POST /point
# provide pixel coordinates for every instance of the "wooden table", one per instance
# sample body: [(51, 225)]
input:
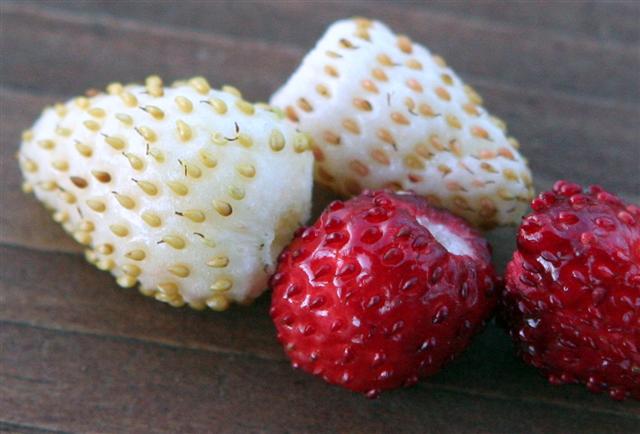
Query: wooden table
[(78, 354)]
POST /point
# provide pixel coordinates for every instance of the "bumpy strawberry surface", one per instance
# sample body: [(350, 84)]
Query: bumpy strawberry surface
[(186, 190), (572, 297), (382, 290), (384, 112)]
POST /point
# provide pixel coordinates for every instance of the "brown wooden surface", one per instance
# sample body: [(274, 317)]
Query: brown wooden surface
[(78, 354)]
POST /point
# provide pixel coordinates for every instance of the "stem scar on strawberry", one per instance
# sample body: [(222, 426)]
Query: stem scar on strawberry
[(572, 296), (381, 291)]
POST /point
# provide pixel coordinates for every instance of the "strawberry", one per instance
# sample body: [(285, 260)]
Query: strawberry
[(572, 297), (382, 290), (384, 112), (184, 189)]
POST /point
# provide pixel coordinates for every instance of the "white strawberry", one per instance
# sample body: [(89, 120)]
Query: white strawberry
[(191, 192), (384, 112)]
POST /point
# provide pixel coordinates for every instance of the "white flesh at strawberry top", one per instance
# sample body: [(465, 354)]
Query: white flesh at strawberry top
[(384, 112), (191, 192), (449, 239)]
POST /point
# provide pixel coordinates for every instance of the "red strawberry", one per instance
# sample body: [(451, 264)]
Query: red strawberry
[(572, 297), (383, 289)]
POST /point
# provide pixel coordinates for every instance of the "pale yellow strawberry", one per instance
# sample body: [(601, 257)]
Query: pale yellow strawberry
[(384, 112), (190, 192)]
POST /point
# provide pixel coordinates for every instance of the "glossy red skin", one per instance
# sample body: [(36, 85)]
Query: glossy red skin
[(367, 299), (572, 296)]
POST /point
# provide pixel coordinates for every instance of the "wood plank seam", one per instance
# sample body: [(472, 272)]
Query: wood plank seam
[(25, 379), (7, 425), (136, 340)]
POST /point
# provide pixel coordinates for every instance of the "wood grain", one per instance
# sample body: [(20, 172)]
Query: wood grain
[(158, 388), (475, 48), (612, 21), (609, 21)]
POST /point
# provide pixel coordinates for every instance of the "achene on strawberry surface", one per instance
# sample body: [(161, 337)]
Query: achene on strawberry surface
[(382, 290)]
